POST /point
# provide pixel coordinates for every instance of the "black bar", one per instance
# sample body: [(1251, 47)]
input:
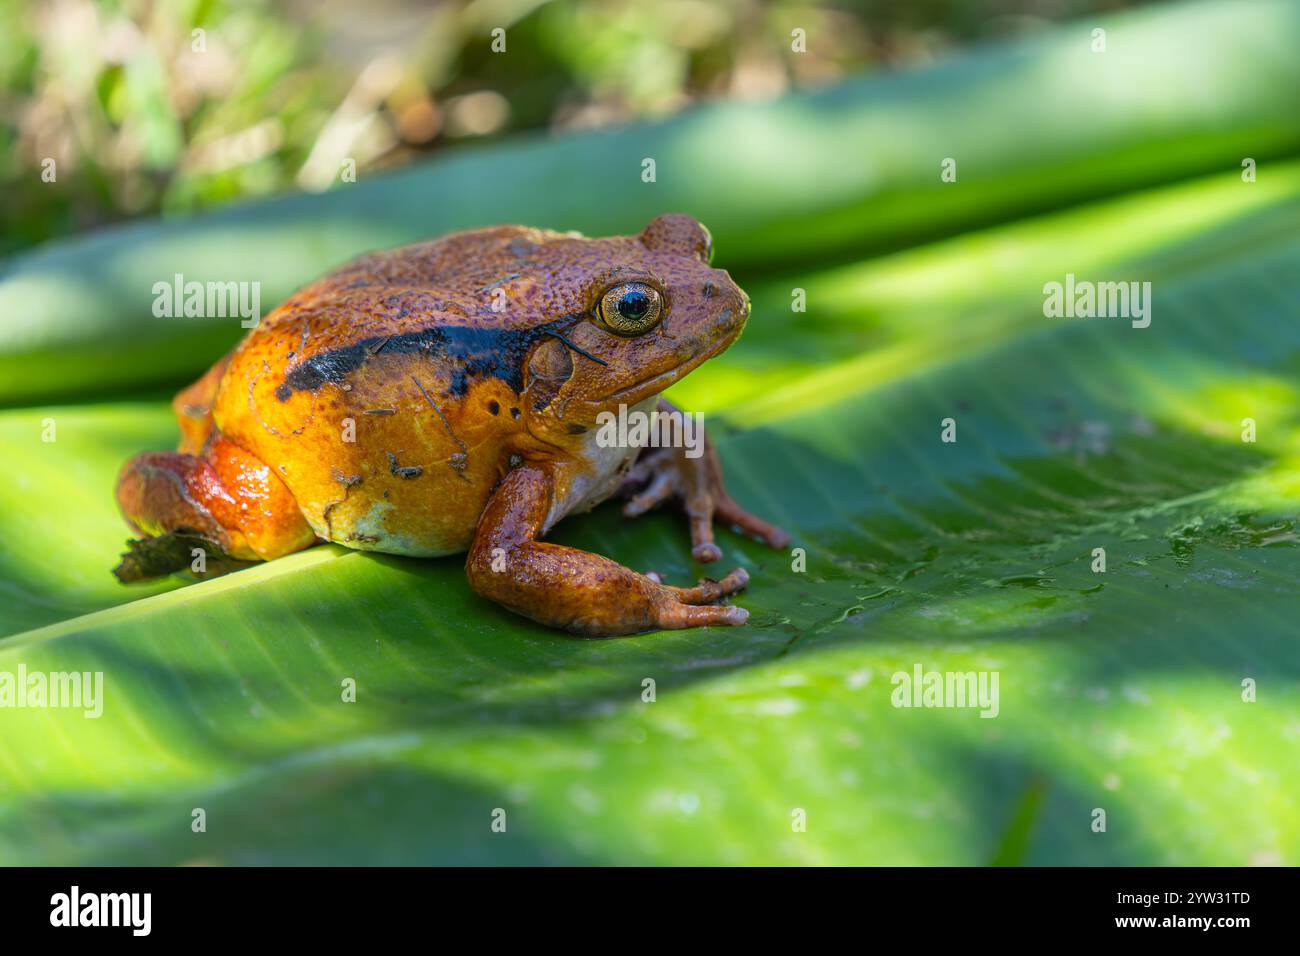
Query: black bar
[(332, 906)]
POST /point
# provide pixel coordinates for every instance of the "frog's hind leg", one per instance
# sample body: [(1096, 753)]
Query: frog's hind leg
[(575, 590), (223, 496), (192, 407)]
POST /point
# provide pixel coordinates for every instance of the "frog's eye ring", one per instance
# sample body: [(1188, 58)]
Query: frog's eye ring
[(630, 308)]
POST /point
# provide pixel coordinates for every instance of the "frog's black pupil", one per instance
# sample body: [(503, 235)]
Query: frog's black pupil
[(634, 305)]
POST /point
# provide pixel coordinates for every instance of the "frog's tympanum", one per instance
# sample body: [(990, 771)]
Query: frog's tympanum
[(443, 398)]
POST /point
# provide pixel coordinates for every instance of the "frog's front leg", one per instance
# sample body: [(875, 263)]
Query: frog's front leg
[(664, 473), (576, 590)]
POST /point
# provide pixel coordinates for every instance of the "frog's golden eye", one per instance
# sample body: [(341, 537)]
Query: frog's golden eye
[(630, 308)]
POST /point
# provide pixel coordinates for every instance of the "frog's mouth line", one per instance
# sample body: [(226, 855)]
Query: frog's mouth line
[(655, 384)]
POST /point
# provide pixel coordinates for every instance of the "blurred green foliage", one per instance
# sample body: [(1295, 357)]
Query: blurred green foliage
[(140, 114)]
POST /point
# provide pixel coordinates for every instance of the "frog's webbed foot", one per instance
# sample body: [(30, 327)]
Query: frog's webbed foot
[(581, 592), (661, 474)]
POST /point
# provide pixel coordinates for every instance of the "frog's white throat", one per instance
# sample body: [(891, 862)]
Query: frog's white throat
[(607, 464)]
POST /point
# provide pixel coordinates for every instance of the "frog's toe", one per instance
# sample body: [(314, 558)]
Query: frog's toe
[(706, 552), (661, 487), (699, 510), (697, 607), (737, 517), (708, 590), (702, 615), (638, 475)]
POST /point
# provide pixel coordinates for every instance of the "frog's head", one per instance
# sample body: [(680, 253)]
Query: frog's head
[(654, 310)]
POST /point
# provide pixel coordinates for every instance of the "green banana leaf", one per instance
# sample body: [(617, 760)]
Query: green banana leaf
[(1119, 691), (1180, 90), (778, 743)]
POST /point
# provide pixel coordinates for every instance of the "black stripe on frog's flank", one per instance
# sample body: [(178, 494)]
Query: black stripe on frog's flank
[(471, 352)]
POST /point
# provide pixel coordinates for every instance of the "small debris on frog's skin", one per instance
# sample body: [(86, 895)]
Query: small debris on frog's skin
[(457, 461), (403, 471), (581, 352), (347, 481)]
